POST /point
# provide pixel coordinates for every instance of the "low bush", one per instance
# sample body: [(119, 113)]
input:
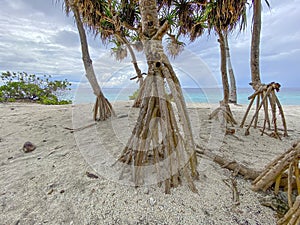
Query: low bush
[(29, 87)]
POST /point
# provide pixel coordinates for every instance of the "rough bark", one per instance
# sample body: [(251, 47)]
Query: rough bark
[(223, 112), (102, 105), (278, 167), (232, 165), (233, 95), (255, 45), (159, 138)]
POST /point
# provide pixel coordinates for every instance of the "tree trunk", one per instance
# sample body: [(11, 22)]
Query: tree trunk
[(139, 75), (233, 95), (265, 95), (131, 52), (255, 44), (224, 68), (102, 104), (223, 112), (160, 139)]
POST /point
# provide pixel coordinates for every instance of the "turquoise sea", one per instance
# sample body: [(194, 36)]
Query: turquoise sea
[(287, 96)]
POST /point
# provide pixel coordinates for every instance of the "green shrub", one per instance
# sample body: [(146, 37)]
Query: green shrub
[(22, 86), (134, 95), (11, 99)]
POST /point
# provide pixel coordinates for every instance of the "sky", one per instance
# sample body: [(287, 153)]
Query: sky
[(37, 37)]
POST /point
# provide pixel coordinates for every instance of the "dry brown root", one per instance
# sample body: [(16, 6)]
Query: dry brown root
[(224, 114), (160, 140), (103, 108), (232, 165), (285, 165), (266, 98), (277, 168), (292, 217)]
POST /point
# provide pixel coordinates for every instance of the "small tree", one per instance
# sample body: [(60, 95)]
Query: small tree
[(265, 94), (159, 138), (29, 87), (102, 105), (222, 17), (114, 22)]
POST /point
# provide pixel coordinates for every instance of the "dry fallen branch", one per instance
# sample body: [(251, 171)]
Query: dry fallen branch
[(80, 128), (277, 168), (284, 165), (232, 184), (238, 168)]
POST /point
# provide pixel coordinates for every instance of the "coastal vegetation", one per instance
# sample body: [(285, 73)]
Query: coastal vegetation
[(22, 86)]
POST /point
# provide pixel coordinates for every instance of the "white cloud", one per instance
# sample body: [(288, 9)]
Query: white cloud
[(37, 37)]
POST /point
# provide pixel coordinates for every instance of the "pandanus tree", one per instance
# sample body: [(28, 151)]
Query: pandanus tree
[(232, 81), (114, 21), (102, 105), (265, 94), (223, 16), (160, 137)]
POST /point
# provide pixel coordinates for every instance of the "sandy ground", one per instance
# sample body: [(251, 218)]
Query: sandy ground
[(50, 185)]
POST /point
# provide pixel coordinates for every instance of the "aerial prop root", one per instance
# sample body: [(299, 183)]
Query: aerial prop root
[(224, 114), (103, 108), (266, 98), (158, 139)]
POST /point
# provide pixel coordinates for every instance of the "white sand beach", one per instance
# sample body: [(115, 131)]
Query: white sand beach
[(50, 185)]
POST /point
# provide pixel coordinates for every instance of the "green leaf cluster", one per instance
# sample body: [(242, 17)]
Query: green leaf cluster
[(21, 86), (134, 95)]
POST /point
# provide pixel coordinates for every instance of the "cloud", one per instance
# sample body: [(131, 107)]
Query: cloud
[(66, 38), (37, 37), (40, 38), (280, 44)]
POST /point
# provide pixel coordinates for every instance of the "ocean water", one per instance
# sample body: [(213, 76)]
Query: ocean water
[(287, 96)]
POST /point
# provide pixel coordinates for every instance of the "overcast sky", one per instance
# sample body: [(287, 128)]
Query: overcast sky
[(37, 37)]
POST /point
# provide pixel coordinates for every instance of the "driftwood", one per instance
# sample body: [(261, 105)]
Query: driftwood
[(80, 128), (283, 172), (238, 168), (232, 184), (266, 97), (275, 170), (285, 165)]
